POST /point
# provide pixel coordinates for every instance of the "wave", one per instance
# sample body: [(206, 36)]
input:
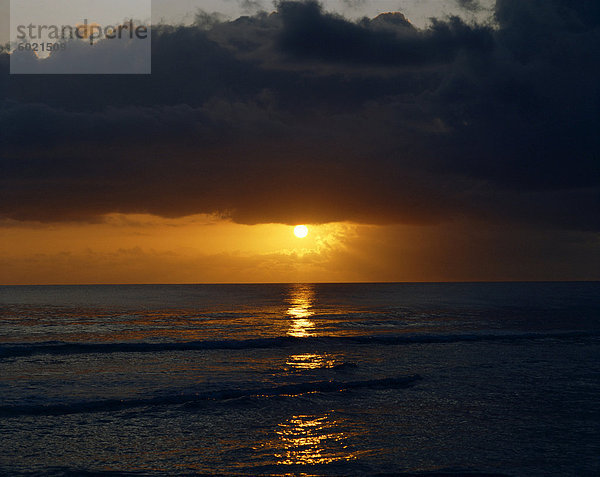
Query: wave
[(109, 405), (426, 338), (61, 348)]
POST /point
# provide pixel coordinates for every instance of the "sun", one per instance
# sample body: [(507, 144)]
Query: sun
[(301, 231)]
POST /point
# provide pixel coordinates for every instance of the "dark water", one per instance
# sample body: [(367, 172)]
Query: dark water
[(301, 379)]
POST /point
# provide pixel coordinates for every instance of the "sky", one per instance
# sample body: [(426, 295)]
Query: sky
[(418, 140)]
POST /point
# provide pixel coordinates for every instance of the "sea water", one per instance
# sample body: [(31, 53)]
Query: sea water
[(301, 379)]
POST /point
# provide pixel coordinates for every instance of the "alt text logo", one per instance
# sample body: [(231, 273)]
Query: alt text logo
[(80, 37)]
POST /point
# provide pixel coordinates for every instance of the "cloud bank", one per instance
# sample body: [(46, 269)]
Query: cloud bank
[(301, 115)]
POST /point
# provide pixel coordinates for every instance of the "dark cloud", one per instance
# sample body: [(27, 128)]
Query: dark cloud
[(206, 20), (305, 116), (307, 33)]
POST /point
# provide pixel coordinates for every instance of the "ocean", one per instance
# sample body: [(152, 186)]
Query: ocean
[(301, 379)]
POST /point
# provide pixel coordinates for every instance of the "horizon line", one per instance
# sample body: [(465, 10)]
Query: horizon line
[(297, 283)]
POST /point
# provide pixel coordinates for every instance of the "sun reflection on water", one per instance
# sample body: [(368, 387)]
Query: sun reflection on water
[(310, 440), (299, 310), (300, 304), (307, 439), (310, 361)]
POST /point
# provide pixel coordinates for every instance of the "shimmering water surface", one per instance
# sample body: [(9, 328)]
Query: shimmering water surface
[(326, 379)]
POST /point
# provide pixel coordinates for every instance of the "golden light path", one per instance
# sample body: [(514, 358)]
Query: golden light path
[(300, 304), (311, 440), (308, 439)]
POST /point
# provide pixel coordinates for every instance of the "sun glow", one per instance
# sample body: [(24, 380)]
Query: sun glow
[(136, 248), (301, 231)]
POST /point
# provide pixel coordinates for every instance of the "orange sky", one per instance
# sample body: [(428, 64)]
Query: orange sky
[(202, 249)]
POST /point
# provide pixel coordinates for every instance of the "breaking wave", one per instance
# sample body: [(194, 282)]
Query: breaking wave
[(190, 399), (61, 348)]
